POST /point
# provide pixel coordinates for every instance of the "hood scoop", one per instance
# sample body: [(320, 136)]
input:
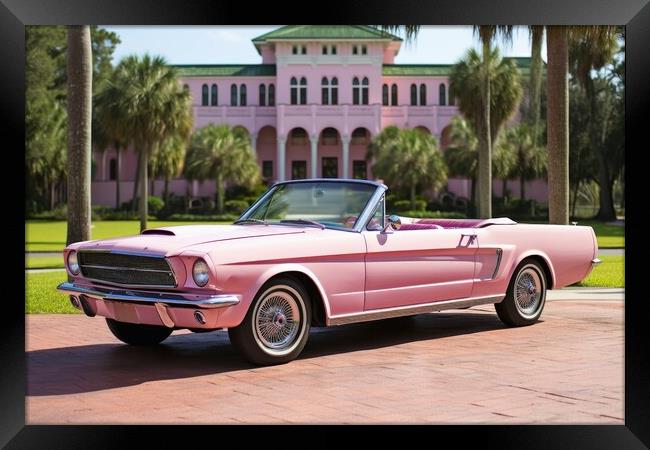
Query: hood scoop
[(159, 231)]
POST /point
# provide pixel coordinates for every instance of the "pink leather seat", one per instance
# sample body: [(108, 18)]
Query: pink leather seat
[(419, 226), (451, 223)]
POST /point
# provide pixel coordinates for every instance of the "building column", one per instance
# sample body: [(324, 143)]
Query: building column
[(346, 156), (282, 153), (314, 156)]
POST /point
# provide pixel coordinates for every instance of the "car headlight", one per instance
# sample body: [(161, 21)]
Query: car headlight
[(73, 264), (200, 272)]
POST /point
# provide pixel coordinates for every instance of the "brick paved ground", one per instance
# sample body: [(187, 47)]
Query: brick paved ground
[(448, 367)]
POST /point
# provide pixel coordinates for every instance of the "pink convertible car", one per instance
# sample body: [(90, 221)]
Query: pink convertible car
[(318, 253)]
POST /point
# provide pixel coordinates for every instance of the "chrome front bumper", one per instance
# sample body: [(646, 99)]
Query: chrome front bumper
[(121, 295)]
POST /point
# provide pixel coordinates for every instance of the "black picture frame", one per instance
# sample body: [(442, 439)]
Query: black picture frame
[(634, 14)]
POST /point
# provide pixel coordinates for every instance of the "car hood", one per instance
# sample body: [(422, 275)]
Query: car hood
[(169, 241)]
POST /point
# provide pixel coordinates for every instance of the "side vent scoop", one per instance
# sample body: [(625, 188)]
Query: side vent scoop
[(159, 231)]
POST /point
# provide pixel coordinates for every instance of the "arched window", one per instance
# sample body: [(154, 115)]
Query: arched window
[(364, 91), (384, 95), (205, 94), (233, 95), (393, 95), (442, 94), (355, 90), (271, 95), (242, 95), (364, 50), (414, 95), (334, 92), (423, 94), (298, 91), (325, 91), (262, 100), (303, 90), (330, 91), (294, 91), (214, 95), (452, 97)]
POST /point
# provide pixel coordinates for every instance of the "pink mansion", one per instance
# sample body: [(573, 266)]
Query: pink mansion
[(311, 107)]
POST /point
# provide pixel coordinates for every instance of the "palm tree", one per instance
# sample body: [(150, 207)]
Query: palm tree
[(80, 75), (530, 159), (408, 159), (505, 96), (591, 49), (223, 154), (168, 160), (150, 106), (461, 155)]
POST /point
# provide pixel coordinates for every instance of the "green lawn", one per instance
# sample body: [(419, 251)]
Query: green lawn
[(41, 296), (46, 235), (45, 262), (609, 236), (610, 273)]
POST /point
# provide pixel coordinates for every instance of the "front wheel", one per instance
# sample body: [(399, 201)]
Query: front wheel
[(138, 334), (276, 326), (526, 295)]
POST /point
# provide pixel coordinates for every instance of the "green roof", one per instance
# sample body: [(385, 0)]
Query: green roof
[(226, 70), (326, 32), (523, 63)]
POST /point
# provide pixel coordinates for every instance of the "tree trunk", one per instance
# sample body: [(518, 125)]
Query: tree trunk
[(117, 177), (166, 190), (537, 34), (80, 76), (153, 184), (136, 186), (51, 195), (220, 193), (485, 145), (557, 97), (504, 188), (144, 210), (522, 188)]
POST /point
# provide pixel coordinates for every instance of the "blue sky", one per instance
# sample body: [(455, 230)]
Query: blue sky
[(232, 44)]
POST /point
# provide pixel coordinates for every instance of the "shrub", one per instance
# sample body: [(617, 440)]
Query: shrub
[(155, 204), (235, 206), (405, 205)]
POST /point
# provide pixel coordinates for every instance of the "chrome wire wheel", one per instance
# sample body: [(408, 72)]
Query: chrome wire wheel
[(278, 323), (529, 291)]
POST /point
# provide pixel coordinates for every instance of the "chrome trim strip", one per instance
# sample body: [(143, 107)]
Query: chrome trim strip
[(595, 262), (410, 310), (496, 268), (205, 301)]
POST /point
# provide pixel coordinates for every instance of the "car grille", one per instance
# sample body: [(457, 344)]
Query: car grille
[(132, 270)]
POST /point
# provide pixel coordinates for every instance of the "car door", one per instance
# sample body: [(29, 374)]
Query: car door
[(408, 267)]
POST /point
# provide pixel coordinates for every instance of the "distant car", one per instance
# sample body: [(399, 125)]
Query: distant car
[(318, 252)]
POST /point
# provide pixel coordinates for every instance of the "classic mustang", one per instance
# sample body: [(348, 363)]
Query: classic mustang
[(318, 252)]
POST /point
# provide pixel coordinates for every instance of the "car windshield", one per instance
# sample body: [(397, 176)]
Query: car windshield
[(319, 203)]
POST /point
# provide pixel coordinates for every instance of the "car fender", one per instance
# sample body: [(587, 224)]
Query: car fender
[(536, 253)]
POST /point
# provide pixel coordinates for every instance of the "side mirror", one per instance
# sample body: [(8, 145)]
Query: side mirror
[(394, 222)]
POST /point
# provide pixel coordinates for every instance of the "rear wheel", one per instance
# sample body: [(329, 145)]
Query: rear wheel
[(526, 295), (276, 327), (138, 334)]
